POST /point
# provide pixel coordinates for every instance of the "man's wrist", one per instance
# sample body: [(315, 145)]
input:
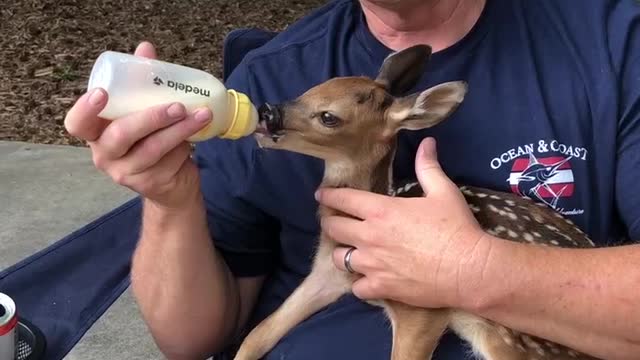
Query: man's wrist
[(180, 203), (481, 283), (162, 218)]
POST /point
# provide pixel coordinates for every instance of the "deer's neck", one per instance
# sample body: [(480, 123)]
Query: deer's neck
[(368, 175)]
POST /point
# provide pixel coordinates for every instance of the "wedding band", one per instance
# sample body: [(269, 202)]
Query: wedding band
[(347, 260)]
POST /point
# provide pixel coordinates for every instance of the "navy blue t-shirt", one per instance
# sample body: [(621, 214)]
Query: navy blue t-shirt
[(549, 81)]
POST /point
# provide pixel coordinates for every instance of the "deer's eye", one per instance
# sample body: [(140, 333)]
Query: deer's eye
[(328, 119)]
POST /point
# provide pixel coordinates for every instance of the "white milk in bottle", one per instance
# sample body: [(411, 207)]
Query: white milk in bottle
[(134, 83)]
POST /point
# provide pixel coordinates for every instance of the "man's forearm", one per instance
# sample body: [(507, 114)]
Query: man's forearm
[(586, 299), (185, 291)]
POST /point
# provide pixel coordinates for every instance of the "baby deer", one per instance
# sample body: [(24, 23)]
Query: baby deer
[(351, 123)]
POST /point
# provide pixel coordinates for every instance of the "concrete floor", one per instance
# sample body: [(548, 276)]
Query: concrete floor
[(40, 181)]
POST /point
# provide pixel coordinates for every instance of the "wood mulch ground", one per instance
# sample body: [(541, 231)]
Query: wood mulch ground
[(47, 48)]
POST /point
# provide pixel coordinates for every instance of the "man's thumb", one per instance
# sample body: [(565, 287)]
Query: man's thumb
[(146, 49), (427, 167)]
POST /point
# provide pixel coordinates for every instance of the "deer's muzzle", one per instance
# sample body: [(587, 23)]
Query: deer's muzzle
[(271, 118)]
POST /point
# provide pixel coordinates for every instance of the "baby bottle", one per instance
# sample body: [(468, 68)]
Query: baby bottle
[(134, 83)]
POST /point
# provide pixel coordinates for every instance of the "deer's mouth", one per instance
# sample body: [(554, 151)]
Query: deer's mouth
[(270, 122), (263, 131)]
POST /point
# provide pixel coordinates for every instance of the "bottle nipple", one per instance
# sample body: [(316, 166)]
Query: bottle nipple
[(244, 116)]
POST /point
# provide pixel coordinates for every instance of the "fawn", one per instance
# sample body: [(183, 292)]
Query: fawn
[(351, 123)]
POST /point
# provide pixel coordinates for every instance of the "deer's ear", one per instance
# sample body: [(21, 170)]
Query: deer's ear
[(401, 70), (428, 108)]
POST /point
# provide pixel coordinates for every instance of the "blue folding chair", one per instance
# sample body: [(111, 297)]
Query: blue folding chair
[(63, 289)]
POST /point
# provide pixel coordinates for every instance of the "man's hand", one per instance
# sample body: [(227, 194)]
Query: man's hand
[(408, 249), (189, 299), (144, 151), (431, 252)]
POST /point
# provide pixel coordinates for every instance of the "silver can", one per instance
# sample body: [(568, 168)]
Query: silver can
[(8, 328)]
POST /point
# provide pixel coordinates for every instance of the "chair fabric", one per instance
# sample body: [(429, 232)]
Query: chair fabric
[(65, 288), (238, 43)]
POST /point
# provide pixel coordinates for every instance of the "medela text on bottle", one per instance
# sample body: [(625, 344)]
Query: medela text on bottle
[(135, 83)]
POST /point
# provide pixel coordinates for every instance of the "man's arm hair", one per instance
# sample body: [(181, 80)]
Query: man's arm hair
[(582, 298), (191, 302)]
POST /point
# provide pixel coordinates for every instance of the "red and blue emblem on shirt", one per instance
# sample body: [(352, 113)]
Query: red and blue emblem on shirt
[(546, 179)]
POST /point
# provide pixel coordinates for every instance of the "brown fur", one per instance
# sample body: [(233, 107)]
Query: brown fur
[(358, 153)]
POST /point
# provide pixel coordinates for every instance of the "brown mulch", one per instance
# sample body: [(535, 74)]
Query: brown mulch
[(47, 48)]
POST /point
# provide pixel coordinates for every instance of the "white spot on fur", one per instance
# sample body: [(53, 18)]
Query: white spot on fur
[(528, 237), (510, 202), (551, 227), (410, 186), (555, 242), (500, 228), (536, 234), (572, 353), (481, 195), (512, 233), (505, 335), (512, 216), (526, 217), (404, 188), (495, 197), (531, 343), (492, 208), (474, 208)]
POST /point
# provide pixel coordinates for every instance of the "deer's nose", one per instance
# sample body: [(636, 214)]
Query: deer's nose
[(271, 116)]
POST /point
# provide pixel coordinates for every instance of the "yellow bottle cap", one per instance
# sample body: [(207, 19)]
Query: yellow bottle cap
[(244, 117)]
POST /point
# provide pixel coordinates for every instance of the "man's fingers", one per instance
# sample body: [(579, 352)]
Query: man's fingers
[(345, 230), (82, 119), (357, 203), (123, 133), (151, 149), (157, 176), (357, 260), (146, 49), (364, 289)]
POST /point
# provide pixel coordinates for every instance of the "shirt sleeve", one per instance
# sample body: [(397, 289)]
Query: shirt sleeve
[(624, 25), (245, 235)]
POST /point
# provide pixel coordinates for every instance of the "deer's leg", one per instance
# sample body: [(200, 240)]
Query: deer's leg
[(324, 285), (492, 342), (416, 331)]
